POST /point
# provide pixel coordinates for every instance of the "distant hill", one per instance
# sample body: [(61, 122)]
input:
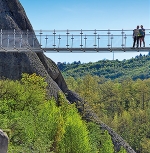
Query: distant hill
[(134, 68)]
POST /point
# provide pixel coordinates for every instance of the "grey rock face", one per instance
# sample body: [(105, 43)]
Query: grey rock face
[(13, 64), (13, 16), (3, 142)]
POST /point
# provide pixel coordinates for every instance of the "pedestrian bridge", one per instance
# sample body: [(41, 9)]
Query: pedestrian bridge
[(76, 41)]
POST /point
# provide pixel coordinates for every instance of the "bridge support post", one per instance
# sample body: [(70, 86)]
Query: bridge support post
[(40, 37), (122, 33), (108, 38), (81, 33), (54, 33), (14, 38), (1, 38), (95, 33), (67, 39)]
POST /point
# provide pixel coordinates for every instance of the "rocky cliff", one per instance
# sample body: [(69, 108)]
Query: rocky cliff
[(3, 142), (13, 16), (13, 64)]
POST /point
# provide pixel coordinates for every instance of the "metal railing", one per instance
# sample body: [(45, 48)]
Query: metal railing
[(70, 40), (13, 40)]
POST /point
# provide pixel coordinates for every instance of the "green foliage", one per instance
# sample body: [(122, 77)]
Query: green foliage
[(135, 68), (76, 134), (36, 124), (145, 143), (26, 94), (122, 150), (124, 106), (95, 136), (107, 146), (100, 139), (34, 80), (91, 94)]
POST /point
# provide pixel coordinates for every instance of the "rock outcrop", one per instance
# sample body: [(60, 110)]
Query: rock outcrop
[(13, 16), (13, 64), (3, 142)]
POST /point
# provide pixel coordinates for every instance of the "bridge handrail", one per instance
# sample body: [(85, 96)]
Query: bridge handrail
[(55, 30), (65, 39)]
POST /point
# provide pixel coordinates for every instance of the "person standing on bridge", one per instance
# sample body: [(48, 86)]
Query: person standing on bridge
[(136, 36), (142, 36)]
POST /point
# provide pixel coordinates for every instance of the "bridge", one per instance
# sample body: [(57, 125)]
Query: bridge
[(70, 41)]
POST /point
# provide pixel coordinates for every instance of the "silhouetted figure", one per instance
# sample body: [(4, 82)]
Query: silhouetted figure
[(142, 36), (136, 36)]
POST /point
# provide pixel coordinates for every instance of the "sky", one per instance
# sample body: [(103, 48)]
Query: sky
[(88, 15)]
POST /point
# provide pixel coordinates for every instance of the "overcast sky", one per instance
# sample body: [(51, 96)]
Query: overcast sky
[(87, 15)]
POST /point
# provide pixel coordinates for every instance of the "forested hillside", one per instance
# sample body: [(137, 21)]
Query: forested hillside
[(124, 106), (37, 124), (118, 91), (134, 68)]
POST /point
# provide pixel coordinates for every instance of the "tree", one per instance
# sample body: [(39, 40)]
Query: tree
[(107, 146), (122, 150)]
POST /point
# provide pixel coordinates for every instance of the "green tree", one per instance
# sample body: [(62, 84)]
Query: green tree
[(38, 124), (76, 138), (145, 145), (107, 146), (122, 150)]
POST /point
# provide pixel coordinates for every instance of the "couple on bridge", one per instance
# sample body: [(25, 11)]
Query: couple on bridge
[(138, 35)]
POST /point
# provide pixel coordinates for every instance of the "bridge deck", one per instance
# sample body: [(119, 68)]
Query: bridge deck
[(5, 49), (76, 50), (92, 50)]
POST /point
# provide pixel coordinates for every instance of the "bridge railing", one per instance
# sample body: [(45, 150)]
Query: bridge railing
[(68, 39), (10, 39)]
